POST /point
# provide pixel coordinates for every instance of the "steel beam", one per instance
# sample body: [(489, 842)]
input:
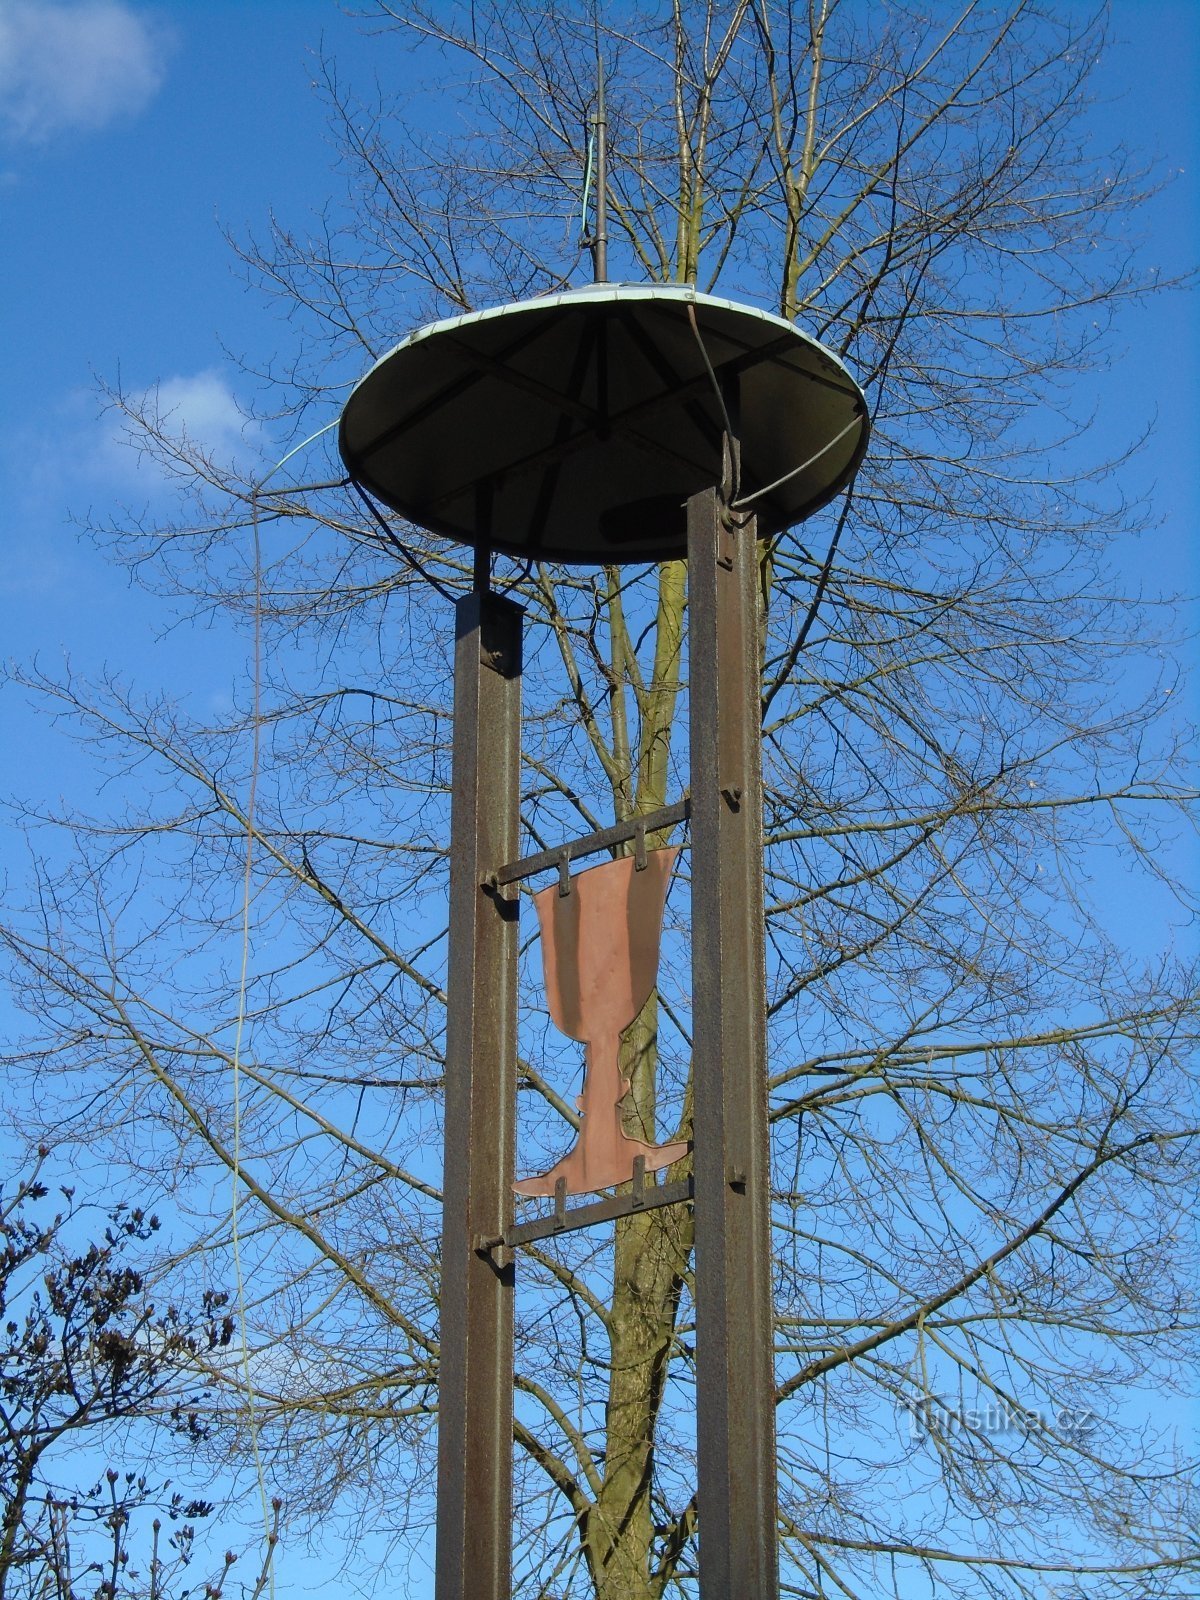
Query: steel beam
[(575, 849), (734, 1320), (569, 1219), (475, 1404)]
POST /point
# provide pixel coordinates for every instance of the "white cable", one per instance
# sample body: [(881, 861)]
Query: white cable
[(243, 983), (243, 980), (748, 500), (295, 451)]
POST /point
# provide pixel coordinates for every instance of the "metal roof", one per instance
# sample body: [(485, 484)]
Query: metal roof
[(574, 427)]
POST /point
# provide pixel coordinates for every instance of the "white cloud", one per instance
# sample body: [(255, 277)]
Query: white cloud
[(199, 411), (66, 465), (73, 450), (75, 64), (202, 409)]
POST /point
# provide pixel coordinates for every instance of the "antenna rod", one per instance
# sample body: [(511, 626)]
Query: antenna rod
[(600, 240)]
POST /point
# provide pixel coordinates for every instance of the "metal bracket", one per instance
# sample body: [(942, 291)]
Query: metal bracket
[(505, 893), (496, 642), (641, 1196), (496, 1251), (725, 538), (552, 860)]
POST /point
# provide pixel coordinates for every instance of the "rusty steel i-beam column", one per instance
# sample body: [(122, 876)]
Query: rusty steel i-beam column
[(475, 1393), (734, 1319)]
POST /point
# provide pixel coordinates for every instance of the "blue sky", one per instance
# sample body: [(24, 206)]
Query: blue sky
[(129, 137), (131, 134)]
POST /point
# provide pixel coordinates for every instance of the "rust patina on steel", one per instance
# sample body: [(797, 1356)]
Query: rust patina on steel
[(600, 945)]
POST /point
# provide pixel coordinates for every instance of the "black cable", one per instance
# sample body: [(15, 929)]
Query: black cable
[(398, 544), (731, 442), (521, 577), (307, 488)]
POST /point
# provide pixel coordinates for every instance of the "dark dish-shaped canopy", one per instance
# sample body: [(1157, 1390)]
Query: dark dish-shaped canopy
[(574, 428)]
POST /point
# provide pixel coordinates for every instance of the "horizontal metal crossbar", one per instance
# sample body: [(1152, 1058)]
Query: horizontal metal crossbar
[(562, 855), (566, 1219)]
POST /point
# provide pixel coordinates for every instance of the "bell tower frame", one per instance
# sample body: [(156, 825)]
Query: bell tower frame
[(618, 424)]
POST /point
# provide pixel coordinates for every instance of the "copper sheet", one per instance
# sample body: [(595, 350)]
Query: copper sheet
[(600, 946)]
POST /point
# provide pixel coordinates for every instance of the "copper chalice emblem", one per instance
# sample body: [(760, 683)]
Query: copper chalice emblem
[(600, 945)]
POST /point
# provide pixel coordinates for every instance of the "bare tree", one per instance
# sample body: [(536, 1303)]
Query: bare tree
[(980, 1097), (88, 1363)]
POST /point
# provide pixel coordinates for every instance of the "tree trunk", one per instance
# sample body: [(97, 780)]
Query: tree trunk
[(652, 1254), (652, 1250)]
